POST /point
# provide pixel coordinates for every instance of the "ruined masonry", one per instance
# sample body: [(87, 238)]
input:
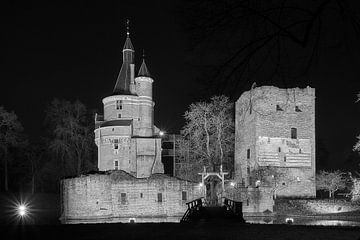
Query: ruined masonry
[(275, 131)]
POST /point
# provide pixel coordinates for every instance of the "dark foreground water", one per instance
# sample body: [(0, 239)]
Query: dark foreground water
[(198, 230)]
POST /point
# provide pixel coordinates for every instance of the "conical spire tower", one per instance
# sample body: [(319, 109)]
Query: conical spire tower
[(126, 74)]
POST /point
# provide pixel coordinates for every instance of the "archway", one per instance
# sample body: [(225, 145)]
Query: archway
[(208, 180)]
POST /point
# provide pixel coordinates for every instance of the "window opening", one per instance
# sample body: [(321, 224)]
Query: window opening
[(159, 197), (123, 198), (118, 104), (116, 165), (278, 108), (184, 196), (297, 109), (293, 133), (248, 154)]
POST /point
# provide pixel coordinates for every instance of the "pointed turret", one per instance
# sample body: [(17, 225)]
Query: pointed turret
[(143, 71), (126, 75)]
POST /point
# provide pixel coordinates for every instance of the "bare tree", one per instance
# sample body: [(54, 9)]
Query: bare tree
[(73, 140), (10, 136), (276, 40), (34, 155), (331, 181), (269, 176), (207, 139), (208, 136)]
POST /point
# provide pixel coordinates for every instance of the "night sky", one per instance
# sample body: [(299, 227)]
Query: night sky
[(74, 52)]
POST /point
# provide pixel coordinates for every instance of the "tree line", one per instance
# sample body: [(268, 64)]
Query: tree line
[(65, 149)]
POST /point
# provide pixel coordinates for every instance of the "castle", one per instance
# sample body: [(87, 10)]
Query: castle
[(131, 185), (125, 135), (275, 131)]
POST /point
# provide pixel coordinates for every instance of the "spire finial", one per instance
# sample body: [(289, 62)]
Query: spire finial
[(127, 27), (143, 55)]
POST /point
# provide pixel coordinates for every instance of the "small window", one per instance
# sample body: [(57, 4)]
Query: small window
[(119, 115), (299, 150), (247, 202), (283, 184), (279, 149), (116, 146), (248, 154), (248, 170), (184, 196), (141, 195), (119, 104), (250, 108), (278, 108), (268, 140), (293, 133), (284, 158), (159, 197), (297, 109), (116, 164), (123, 198)]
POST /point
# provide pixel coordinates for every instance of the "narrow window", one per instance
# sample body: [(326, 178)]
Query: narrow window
[(247, 202), (248, 170), (297, 109), (119, 115), (279, 149), (123, 198), (116, 164), (284, 158), (141, 195), (184, 196), (293, 133), (248, 154), (159, 197), (116, 144), (278, 108), (250, 108)]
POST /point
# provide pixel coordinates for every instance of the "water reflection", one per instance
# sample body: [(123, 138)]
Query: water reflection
[(334, 223), (302, 221)]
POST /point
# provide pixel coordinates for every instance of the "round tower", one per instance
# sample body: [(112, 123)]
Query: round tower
[(146, 105)]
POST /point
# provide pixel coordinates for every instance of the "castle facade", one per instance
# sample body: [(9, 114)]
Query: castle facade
[(125, 135)]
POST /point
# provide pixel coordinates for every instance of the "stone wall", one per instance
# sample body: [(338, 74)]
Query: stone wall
[(276, 127), (256, 201), (120, 197), (315, 207)]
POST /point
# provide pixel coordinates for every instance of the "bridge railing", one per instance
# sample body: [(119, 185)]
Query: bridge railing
[(193, 206), (234, 206)]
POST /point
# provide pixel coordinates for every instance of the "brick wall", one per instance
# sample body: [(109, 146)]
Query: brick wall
[(119, 197)]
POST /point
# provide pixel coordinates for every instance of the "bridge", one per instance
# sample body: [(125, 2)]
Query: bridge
[(197, 210)]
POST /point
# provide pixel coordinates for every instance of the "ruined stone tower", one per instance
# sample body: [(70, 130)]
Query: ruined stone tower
[(125, 135), (275, 129)]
